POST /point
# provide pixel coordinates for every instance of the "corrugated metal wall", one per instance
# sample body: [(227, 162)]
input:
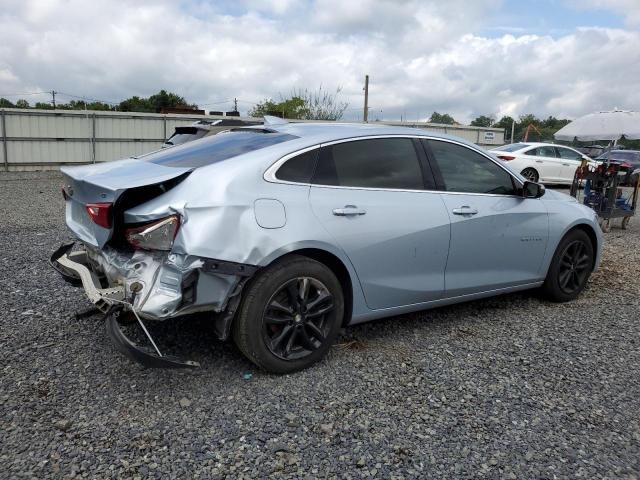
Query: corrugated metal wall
[(46, 139)]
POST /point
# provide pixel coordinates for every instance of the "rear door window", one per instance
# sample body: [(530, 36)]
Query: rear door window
[(568, 154), (298, 169), (371, 163), (466, 171), (542, 152)]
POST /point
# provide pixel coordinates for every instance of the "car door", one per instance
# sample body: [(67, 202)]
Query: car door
[(498, 238), (370, 195), (570, 161), (546, 162)]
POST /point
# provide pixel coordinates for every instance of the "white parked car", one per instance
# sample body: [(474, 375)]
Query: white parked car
[(542, 162)]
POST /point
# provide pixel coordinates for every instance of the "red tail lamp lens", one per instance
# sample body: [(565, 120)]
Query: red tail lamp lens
[(506, 157), (100, 213)]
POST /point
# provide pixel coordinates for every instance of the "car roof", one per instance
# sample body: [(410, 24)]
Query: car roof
[(543, 144), (318, 132)]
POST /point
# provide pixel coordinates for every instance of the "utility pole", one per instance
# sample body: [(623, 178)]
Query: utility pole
[(513, 127), (53, 96), (366, 98), (235, 104)]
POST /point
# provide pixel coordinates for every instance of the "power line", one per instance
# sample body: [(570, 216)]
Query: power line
[(214, 103), (87, 98)]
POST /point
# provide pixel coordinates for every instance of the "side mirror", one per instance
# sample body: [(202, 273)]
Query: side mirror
[(532, 190)]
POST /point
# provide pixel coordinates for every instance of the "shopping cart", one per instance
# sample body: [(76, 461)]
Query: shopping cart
[(611, 189)]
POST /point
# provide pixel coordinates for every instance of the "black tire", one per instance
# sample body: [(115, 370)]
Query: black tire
[(570, 267), (277, 330), (530, 174)]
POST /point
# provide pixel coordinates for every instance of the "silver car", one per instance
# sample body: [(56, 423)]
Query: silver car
[(283, 233)]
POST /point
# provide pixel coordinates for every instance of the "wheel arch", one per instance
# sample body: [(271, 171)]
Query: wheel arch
[(591, 233), (337, 266), (528, 167), (593, 237)]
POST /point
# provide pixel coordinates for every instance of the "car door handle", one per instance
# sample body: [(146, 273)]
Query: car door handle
[(539, 161), (566, 164), (348, 210), (465, 210)]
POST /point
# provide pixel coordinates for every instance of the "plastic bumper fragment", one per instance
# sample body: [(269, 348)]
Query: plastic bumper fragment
[(143, 355), (73, 267)]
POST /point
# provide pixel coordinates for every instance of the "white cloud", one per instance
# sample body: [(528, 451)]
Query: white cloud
[(422, 56)]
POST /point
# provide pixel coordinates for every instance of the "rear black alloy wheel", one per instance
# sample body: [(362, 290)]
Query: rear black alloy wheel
[(295, 320), (530, 174), (570, 267), (290, 314), (575, 266)]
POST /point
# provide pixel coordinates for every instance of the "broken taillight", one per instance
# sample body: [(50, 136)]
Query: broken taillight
[(100, 213), (156, 235), (506, 157)]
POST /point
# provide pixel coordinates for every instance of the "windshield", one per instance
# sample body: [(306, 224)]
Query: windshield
[(215, 148), (512, 147)]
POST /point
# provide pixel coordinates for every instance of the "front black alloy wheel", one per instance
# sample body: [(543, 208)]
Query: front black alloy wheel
[(570, 268), (575, 266), (290, 314)]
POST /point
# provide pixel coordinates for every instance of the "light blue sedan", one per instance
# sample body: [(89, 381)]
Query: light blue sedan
[(283, 233)]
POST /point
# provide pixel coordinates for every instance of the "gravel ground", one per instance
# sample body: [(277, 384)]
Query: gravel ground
[(510, 387)]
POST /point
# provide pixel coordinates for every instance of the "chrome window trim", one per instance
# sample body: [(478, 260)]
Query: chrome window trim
[(270, 174)]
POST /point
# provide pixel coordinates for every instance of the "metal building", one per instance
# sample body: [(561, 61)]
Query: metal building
[(45, 139)]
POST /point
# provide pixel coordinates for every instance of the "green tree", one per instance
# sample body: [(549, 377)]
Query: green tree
[(154, 103), (22, 103), (288, 108), (43, 106), (4, 103), (304, 105), (82, 105), (504, 122), (483, 121), (443, 118), (321, 104)]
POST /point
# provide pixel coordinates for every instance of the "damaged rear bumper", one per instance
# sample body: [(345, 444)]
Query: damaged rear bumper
[(154, 286), (74, 268)]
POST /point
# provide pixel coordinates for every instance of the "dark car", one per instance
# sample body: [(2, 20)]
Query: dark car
[(629, 157), (629, 160)]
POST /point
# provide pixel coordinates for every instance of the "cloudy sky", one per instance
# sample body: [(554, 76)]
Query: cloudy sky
[(463, 57)]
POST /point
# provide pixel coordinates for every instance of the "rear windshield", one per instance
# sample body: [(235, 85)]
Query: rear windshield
[(215, 148), (619, 156), (512, 147)]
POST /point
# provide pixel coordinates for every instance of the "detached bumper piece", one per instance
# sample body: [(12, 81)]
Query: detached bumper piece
[(73, 266), (151, 358)]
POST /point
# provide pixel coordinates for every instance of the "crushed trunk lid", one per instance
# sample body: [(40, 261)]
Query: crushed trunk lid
[(105, 183)]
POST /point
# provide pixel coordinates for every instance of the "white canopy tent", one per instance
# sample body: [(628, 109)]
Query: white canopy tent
[(602, 126)]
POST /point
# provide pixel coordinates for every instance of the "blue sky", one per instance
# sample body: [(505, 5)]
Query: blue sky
[(548, 17)]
